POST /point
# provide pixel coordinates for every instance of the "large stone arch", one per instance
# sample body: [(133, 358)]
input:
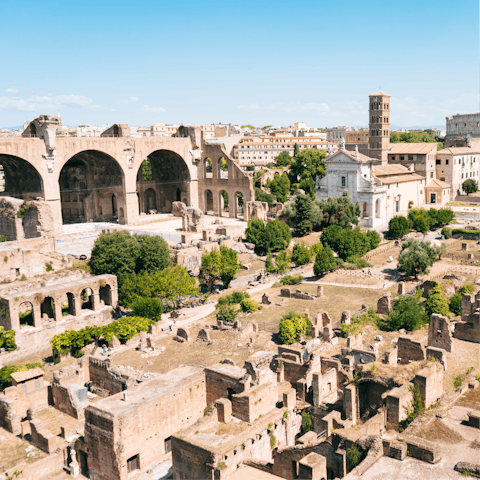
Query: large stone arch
[(92, 187), (20, 178), (169, 177)]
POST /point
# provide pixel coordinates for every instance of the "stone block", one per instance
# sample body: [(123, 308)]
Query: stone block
[(313, 466), (474, 419), (224, 410), (203, 336), (439, 333), (384, 304), (285, 292), (402, 290), (183, 333), (347, 317), (320, 291), (290, 399), (438, 354), (265, 300), (409, 350)]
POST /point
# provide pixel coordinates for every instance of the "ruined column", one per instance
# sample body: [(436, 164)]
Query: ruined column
[(37, 316), (350, 402), (96, 301), (317, 389), (57, 310)]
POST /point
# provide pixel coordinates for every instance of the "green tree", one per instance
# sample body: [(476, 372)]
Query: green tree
[(296, 150), (120, 253), (307, 165), (470, 186), (282, 261), (218, 265), (223, 164), (301, 254), (151, 308), (287, 333), (374, 239), (456, 303), (303, 206), (284, 159), (269, 266), (399, 226), (255, 232), (339, 211), (261, 196), (115, 253), (325, 261), (436, 302), (447, 232), (280, 186), (153, 254), (444, 216), (422, 219), (416, 257), (277, 235), (407, 312)]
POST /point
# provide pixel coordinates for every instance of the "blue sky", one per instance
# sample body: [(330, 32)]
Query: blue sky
[(241, 62)]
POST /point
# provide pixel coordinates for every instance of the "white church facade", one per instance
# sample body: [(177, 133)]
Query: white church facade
[(382, 191)]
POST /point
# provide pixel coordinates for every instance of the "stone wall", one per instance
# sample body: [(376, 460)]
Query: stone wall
[(409, 350), (222, 381), (140, 420)]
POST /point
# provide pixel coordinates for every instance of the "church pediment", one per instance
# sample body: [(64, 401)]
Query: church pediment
[(341, 157)]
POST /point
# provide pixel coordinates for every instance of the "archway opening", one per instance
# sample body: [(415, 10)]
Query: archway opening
[(223, 168), (91, 188), (208, 201), (106, 295), (365, 210), (20, 178), (238, 204), (208, 169), (166, 173), (370, 398), (223, 207), (25, 313), (150, 201), (86, 297), (47, 308), (71, 305)]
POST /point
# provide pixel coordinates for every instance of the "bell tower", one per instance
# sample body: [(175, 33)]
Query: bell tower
[(379, 126)]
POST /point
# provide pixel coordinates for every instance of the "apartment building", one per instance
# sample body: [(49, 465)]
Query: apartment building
[(357, 136), (337, 134), (421, 155), (262, 150), (454, 165)]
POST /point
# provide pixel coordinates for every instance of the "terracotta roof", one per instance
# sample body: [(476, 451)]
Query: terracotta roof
[(393, 169), (438, 184), (20, 377), (379, 94), (401, 178), (421, 148), (459, 151)]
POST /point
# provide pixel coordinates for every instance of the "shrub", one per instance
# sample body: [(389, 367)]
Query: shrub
[(301, 254), (7, 339), (275, 235), (464, 231), (291, 326), (325, 261), (456, 304), (466, 289), (151, 308), (399, 226), (355, 327), (354, 456), (218, 264), (436, 302), (282, 261), (447, 232), (227, 313), (269, 266), (307, 422), (124, 328), (2, 239), (48, 267), (237, 297), (248, 305), (291, 280), (407, 312), (416, 257), (359, 262), (413, 410)]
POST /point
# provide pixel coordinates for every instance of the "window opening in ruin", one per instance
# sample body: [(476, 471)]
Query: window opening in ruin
[(86, 297), (208, 201), (223, 168), (47, 307), (168, 445), (106, 295), (133, 463), (150, 202), (223, 203), (70, 310), (238, 204), (26, 313), (179, 195), (17, 272), (230, 393)]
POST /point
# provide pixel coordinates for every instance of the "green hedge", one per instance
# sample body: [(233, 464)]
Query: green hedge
[(7, 339), (464, 231), (124, 328), (6, 372)]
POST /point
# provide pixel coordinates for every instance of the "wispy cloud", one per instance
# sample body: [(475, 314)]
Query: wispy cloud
[(35, 102), (130, 99), (322, 107), (134, 99), (146, 108), (13, 90)]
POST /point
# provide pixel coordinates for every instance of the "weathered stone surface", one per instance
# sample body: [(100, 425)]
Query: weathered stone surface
[(193, 220), (439, 333), (410, 350), (384, 304), (203, 336)]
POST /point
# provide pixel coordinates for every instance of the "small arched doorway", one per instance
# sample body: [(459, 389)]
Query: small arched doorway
[(208, 170), (223, 168), (223, 207), (208, 201), (25, 313), (150, 200), (86, 297), (47, 308), (365, 210), (106, 295), (238, 204)]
